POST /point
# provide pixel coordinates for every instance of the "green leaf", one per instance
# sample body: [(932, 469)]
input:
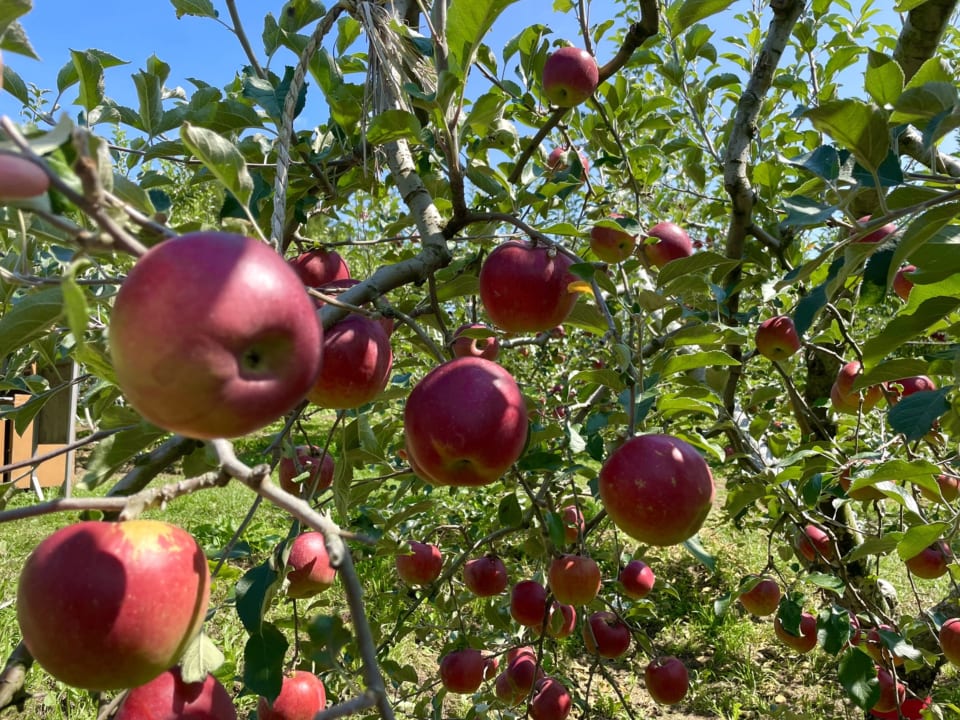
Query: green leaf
[(907, 5), (271, 94), (874, 546), (555, 529), (14, 39), (914, 416), (804, 212), (883, 79), (198, 8), (116, 451), (10, 10), (833, 629), (30, 318), (15, 85), (263, 662), (921, 229), (824, 162), (467, 23), (912, 321), (680, 363), (509, 513), (695, 548), (693, 11), (200, 658), (858, 676), (858, 126), (891, 370), (826, 582), (149, 93), (920, 537), (392, 125), (698, 262), (90, 73), (68, 74), (221, 158), (75, 302), (254, 592), (328, 636)]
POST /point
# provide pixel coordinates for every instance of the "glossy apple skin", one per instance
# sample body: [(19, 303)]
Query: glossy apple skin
[(844, 398), (814, 544), (310, 570), (461, 671), (606, 635), (108, 606), (763, 598), (574, 579), (464, 346), (905, 387), (561, 620), (637, 579), (612, 245), (657, 489), (213, 335), (320, 267), (357, 359), (20, 178), (950, 640), (528, 603), (902, 285), (465, 423), (557, 162), (931, 562), (312, 459), (513, 685), (667, 680), (301, 697), (167, 697), (525, 288), (551, 700), (570, 76), (891, 692), (949, 489), (776, 338), (881, 233), (421, 566), (803, 643), (573, 523), (672, 243), (486, 576)]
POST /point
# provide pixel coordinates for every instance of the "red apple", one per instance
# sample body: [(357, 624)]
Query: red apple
[(528, 603), (20, 178), (357, 359), (657, 489), (574, 579), (485, 347), (557, 162), (606, 635), (491, 664), (465, 423), (561, 620), (910, 709), (612, 244), (168, 697), (570, 76), (421, 566), (877, 648), (513, 685), (865, 493), (902, 285), (213, 335), (950, 640), (525, 288), (320, 267), (461, 671), (805, 641), (905, 387), (892, 693), (637, 579), (874, 236), (949, 489), (667, 680), (310, 570), (760, 595), (551, 700), (505, 691), (485, 576), (777, 338), (573, 523), (814, 544), (302, 696), (931, 562), (111, 605), (672, 242), (844, 398), (310, 459)]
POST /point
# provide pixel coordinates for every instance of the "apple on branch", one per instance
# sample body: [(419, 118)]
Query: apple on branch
[(421, 566), (168, 697), (667, 680), (671, 242), (302, 695), (611, 240), (310, 570), (570, 76), (776, 338), (466, 345), (312, 460)]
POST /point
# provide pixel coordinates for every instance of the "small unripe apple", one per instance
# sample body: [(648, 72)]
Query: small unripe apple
[(902, 285), (310, 570), (667, 680), (672, 243), (302, 696), (777, 338), (637, 579), (421, 566), (570, 76), (761, 596)]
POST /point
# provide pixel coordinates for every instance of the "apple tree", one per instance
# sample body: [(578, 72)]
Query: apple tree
[(507, 323)]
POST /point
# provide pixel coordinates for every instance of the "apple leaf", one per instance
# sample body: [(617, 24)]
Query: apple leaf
[(116, 451), (907, 5), (858, 676), (824, 162), (392, 125), (691, 361), (921, 229), (509, 513), (858, 126), (10, 10), (874, 546), (75, 302), (883, 79), (90, 73), (263, 662), (789, 613), (833, 629), (695, 548), (912, 321), (891, 370), (14, 39), (698, 262), (919, 537), (555, 529), (15, 85), (30, 318), (254, 592), (467, 22), (693, 11), (914, 416), (197, 8), (221, 158), (328, 635), (201, 657)]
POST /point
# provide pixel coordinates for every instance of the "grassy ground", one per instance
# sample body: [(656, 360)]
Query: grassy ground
[(738, 669)]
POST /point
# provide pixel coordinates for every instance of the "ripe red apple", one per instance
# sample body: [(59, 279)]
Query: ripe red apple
[(519, 677), (506, 692), (892, 693), (528, 603), (606, 635), (777, 338), (612, 244), (485, 347), (561, 620), (910, 709), (902, 285), (491, 664), (657, 489), (931, 562), (485, 576), (357, 359), (551, 700), (814, 544), (949, 489), (168, 697), (320, 267), (950, 640), (461, 671), (302, 696), (672, 243), (20, 178), (557, 162), (667, 680), (525, 288), (761, 595), (310, 570), (874, 236), (905, 387), (844, 398), (570, 76), (111, 605), (309, 458), (805, 641), (465, 423), (637, 579), (573, 523), (421, 566), (574, 579), (878, 649), (213, 335)]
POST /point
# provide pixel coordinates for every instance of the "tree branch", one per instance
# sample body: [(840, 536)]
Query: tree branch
[(921, 34)]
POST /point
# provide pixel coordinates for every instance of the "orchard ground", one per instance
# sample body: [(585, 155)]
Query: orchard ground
[(737, 666)]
